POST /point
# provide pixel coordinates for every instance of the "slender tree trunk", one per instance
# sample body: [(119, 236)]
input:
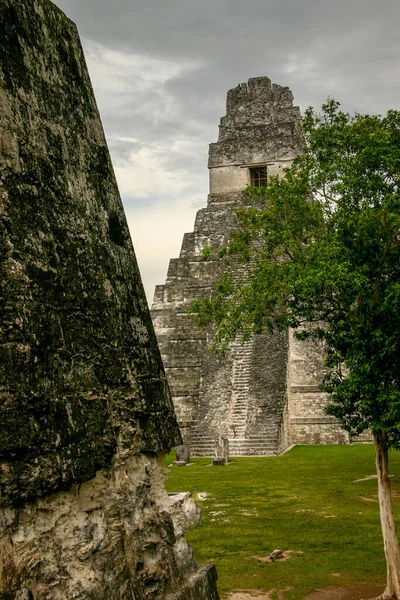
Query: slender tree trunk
[(391, 544)]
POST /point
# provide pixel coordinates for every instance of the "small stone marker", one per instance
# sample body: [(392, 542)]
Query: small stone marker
[(179, 463), (183, 451), (221, 452), (276, 554)]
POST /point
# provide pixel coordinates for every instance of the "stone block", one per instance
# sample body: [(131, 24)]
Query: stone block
[(221, 451)]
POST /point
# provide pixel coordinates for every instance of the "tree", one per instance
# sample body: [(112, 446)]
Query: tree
[(322, 248)]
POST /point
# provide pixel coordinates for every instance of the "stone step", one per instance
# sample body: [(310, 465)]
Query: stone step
[(205, 445), (249, 452), (260, 439), (236, 443), (252, 447), (208, 441), (268, 445), (263, 441), (240, 453), (245, 447), (237, 439), (212, 434), (211, 447)]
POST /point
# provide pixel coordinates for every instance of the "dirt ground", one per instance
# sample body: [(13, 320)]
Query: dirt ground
[(361, 591)]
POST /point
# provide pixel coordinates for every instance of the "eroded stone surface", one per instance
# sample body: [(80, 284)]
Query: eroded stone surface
[(117, 536), (242, 395), (263, 395), (80, 372), (84, 402), (261, 126)]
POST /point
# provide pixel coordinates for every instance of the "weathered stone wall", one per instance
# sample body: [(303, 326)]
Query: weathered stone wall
[(240, 396), (228, 179), (77, 345), (84, 403), (263, 395), (308, 423), (117, 536), (261, 125), (182, 345)]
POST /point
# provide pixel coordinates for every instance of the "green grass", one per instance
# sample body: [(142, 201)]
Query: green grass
[(305, 501)]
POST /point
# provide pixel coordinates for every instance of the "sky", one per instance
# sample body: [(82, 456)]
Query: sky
[(161, 70)]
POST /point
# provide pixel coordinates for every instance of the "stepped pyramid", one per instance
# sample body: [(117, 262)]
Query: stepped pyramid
[(262, 395)]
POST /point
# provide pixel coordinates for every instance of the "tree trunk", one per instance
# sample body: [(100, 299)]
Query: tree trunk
[(391, 544)]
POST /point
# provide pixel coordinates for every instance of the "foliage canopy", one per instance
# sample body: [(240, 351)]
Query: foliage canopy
[(322, 252)]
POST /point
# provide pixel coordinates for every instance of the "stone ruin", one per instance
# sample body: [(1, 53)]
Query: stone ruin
[(263, 395), (86, 413)]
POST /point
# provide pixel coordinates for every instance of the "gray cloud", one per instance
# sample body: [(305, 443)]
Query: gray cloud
[(161, 70)]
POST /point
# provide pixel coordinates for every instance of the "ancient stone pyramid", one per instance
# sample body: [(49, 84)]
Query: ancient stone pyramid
[(263, 395)]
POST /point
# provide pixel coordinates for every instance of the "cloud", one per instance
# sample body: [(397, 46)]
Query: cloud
[(352, 65), (144, 118), (161, 70), (129, 85), (157, 230), (145, 172), (159, 162)]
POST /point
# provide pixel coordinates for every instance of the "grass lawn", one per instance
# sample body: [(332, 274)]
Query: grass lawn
[(307, 501)]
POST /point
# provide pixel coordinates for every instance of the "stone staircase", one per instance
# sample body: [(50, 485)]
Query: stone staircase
[(261, 444), (245, 439), (201, 445), (239, 405)]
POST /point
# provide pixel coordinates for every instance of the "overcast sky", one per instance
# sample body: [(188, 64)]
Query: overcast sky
[(161, 69)]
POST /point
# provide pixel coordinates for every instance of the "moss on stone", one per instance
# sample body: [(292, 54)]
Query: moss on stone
[(77, 374)]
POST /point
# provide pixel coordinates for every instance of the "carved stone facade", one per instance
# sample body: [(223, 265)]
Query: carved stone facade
[(86, 415), (263, 395)]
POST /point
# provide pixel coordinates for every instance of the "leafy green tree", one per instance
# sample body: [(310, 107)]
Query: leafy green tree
[(322, 248)]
